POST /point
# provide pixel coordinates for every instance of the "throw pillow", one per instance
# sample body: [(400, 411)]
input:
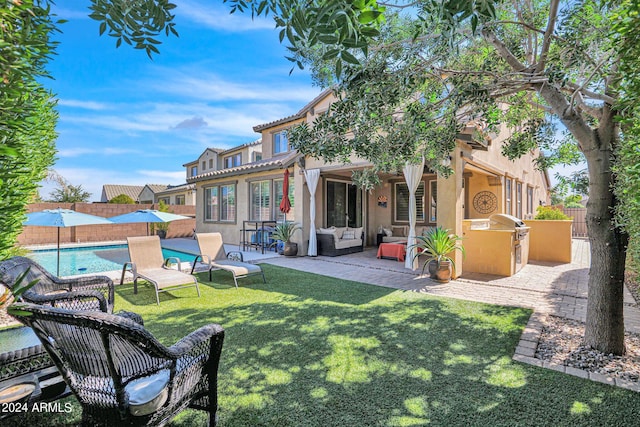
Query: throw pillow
[(326, 230), (387, 232), (348, 235), (357, 232), (398, 231)]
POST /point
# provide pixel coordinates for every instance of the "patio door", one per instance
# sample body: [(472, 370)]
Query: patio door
[(343, 205)]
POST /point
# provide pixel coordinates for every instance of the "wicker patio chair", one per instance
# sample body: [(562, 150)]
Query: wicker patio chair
[(78, 293), (213, 254), (148, 263), (120, 373)]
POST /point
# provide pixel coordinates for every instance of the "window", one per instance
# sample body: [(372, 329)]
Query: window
[(519, 199), (257, 156), (402, 202), (280, 142), (260, 201), (220, 203), (210, 163), (233, 161), (279, 216), (433, 201), (529, 200), (194, 170), (204, 165), (507, 205), (164, 200), (179, 200)]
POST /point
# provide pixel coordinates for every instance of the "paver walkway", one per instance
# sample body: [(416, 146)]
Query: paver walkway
[(547, 288)]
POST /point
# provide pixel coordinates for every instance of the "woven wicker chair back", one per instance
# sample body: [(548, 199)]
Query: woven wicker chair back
[(211, 244), (12, 268), (145, 252)]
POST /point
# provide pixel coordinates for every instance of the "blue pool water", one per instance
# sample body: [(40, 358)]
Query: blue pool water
[(94, 259)]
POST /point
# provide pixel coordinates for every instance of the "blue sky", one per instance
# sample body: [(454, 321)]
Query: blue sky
[(126, 119)]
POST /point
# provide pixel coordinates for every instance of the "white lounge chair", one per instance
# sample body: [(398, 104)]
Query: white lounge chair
[(147, 262), (213, 254)]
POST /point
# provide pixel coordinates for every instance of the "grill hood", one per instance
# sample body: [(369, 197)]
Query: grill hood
[(505, 222)]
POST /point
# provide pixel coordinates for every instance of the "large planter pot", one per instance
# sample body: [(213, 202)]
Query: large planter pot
[(440, 271), (161, 233), (290, 249)]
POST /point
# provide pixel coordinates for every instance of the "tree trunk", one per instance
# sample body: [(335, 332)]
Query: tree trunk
[(605, 322)]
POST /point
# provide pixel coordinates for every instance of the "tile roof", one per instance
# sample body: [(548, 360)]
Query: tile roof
[(248, 144), (157, 187), (299, 115), (279, 162), (175, 188), (109, 191)]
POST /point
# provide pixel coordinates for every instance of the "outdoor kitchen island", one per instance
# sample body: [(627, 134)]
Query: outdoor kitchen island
[(496, 245)]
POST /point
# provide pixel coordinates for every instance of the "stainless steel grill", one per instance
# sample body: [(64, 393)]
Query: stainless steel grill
[(520, 229)]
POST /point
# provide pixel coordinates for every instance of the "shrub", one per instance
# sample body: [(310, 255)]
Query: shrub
[(122, 199), (549, 212)]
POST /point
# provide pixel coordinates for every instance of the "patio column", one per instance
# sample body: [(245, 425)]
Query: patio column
[(450, 205)]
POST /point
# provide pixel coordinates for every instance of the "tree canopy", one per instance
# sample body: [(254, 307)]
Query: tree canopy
[(417, 79), (27, 116)]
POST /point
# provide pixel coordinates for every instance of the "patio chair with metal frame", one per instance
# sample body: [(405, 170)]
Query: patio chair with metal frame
[(213, 254), (148, 263), (120, 373)]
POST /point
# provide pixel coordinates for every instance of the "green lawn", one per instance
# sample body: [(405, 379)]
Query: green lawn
[(308, 350)]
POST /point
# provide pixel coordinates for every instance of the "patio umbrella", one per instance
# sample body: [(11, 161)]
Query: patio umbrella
[(62, 218), (146, 215), (285, 204)]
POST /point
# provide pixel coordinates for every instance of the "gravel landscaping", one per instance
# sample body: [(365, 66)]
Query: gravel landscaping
[(561, 343)]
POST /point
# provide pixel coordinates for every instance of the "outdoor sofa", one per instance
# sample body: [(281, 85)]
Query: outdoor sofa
[(337, 241), (400, 233)]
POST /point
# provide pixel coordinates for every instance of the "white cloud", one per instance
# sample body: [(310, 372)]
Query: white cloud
[(217, 17), (86, 105), (196, 83), (167, 177), (83, 151)]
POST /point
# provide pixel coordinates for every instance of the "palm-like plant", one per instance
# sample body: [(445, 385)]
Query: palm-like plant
[(284, 231), (437, 245)]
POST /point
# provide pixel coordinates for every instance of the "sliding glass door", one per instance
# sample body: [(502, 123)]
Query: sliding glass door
[(343, 204)]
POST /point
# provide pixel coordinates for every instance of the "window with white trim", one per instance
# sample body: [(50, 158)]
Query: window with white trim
[(280, 142), (507, 195), (194, 170), (433, 201), (278, 184), (233, 161), (519, 199), (260, 203), (179, 200), (220, 203), (401, 194), (529, 200)]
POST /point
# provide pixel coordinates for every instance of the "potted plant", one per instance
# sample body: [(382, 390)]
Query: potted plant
[(283, 231), (161, 228), (437, 244)]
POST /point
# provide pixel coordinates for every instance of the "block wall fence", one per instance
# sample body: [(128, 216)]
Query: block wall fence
[(33, 235)]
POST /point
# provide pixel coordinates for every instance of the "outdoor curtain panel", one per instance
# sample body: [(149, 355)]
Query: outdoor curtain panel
[(312, 176), (412, 174)]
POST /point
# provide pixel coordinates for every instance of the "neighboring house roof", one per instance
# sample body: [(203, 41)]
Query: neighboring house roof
[(273, 163), (156, 188), (195, 162), (239, 147), (176, 189), (299, 115), (109, 191)]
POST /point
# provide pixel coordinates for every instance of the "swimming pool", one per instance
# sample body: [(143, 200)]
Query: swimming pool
[(93, 259)]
